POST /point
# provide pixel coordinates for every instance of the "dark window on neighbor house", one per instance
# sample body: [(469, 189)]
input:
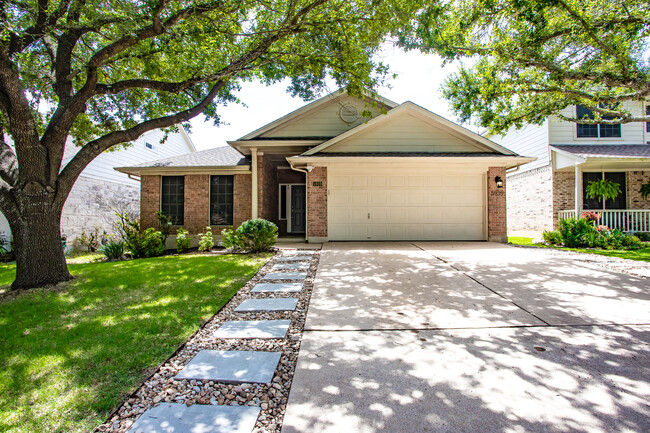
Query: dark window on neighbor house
[(595, 131), (619, 202), (173, 197), (221, 200), (148, 145)]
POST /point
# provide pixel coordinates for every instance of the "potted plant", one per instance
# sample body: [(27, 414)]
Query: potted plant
[(603, 189), (645, 190)]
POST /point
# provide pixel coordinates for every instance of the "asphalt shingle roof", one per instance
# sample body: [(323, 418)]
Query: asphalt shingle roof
[(224, 156), (413, 154), (606, 150)]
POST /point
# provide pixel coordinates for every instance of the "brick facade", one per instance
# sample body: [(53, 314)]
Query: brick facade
[(530, 200), (317, 203), (563, 192), (242, 201), (634, 181), (497, 211), (149, 200), (197, 202)]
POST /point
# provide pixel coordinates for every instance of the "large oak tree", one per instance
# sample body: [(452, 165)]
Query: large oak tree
[(105, 72), (524, 60)]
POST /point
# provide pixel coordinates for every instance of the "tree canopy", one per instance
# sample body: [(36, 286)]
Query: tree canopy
[(105, 72), (523, 60)]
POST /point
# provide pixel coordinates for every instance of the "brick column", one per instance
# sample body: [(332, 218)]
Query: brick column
[(197, 202), (242, 205), (149, 200), (497, 225), (317, 205)]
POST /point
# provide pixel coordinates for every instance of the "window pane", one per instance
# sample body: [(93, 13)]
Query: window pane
[(610, 130), (221, 200), (587, 130), (283, 202), (173, 198), (619, 202), (590, 203)]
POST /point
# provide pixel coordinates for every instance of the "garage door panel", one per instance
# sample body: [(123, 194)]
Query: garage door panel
[(428, 206)]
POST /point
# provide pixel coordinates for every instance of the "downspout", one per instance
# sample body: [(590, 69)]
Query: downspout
[(134, 177), (254, 210)]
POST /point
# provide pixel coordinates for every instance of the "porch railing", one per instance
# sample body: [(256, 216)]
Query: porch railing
[(627, 220)]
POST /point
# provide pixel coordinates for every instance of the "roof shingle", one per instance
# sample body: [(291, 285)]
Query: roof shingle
[(224, 156), (606, 150)]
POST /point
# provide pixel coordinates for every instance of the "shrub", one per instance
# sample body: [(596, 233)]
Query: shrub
[(206, 242), (603, 189), (257, 235), (166, 224), (229, 239), (183, 240), (631, 242), (589, 216), (552, 237), (147, 243), (573, 231), (4, 245), (645, 237), (113, 250)]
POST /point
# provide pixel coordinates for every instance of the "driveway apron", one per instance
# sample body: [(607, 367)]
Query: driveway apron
[(470, 337)]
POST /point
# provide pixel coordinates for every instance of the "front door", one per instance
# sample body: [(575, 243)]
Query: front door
[(298, 208)]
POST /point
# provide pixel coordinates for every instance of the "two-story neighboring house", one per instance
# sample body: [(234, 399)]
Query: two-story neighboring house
[(100, 191), (569, 156)]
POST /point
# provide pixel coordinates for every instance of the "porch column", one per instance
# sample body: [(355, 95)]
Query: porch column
[(254, 182), (576, 193)]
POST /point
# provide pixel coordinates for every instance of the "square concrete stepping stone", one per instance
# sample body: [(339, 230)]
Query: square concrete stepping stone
[(277, 287), (285, 276), (298, 266), (178, 418), (294, 258), (270, 304), (253, 329), (231, 366)]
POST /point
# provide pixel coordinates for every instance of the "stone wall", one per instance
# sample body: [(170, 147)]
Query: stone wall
[(497, 212), (530, 200), (92, 205), (317, 204)]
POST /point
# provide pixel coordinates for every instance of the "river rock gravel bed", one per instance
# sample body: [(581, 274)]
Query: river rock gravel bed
[(271, 398)]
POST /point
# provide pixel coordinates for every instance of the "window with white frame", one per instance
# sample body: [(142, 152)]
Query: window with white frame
[(595, 130)]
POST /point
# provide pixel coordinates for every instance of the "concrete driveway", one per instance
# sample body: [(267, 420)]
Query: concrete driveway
[(470, 337)]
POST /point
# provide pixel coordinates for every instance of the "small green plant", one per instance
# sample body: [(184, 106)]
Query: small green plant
[(573, 231), (183, 240), (147, 243), (206, 242), (645, 190), (603, 189), (229, 239), (552, 237), (166, 225), (644, 236), (113, 250)]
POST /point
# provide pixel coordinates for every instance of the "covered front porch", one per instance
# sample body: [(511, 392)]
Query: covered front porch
[(627, 165)]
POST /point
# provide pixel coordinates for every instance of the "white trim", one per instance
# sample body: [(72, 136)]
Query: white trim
[(254, 186), (187, 138), (315, 104), (422, 113), (178, 171), (599, 138)]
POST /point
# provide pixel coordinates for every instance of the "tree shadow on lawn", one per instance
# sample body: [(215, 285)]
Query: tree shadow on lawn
[(70, 354)]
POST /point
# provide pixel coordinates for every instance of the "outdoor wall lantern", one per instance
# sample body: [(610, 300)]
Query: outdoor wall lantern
[(498, 181)]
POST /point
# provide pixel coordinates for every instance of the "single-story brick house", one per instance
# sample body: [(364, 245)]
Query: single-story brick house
[(330, 172)]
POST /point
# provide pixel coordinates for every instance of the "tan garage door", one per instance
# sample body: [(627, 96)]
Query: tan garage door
[(387, 204)]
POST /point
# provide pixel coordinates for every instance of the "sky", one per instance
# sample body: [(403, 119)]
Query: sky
[(418, 80)]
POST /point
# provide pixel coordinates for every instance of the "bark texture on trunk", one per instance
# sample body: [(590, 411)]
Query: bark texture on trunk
[(40, 259)]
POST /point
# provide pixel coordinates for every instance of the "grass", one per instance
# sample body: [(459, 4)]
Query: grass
[(642, 254), (69, 354)]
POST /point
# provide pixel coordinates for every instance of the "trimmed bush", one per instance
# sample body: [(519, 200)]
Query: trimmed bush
[(206, 242), (113, 250), (183, 240), (253, 235), (552, 237)]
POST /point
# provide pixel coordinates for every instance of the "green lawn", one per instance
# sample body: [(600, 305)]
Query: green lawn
[(69, 354), (642, 254)]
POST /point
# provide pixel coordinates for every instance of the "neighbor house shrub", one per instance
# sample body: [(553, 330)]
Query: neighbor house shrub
[(631, 242), (645, 236), (573, 231), (183, 240), (552, 237), (206, 241), (113, 250)]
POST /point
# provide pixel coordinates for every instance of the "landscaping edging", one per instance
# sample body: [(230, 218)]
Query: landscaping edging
[(272, 398)]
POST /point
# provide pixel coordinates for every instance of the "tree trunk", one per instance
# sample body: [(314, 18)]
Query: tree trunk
[(40, 259)]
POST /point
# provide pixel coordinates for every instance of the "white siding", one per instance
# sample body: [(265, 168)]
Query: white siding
[(102, 167), (404, 133), (323, 121), (562, 132), (531, 140)]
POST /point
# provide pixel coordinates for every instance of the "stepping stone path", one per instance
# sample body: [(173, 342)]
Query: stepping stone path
[(298, 266), (231, 366), (285, 276), (277, 287), (270, 304), (175, 417), (253, 329), (234, 366)]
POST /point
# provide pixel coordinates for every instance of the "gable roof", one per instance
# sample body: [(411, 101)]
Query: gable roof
[(422, 113), (305, 109), (605, 150)]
